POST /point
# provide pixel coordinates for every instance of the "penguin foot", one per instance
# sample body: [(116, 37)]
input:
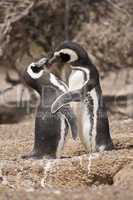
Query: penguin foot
[(32, 155), (102, 148)]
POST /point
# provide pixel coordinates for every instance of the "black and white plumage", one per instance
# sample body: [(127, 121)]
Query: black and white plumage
[(50, 129), (84, 86)]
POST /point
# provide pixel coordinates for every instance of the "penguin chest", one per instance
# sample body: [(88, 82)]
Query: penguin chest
[(76, 80)]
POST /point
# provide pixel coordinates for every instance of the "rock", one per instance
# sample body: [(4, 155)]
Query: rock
[(29, 29), (124, 176)]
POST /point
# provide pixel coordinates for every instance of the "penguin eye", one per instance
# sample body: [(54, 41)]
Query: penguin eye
[(65, 57), (34, 71)]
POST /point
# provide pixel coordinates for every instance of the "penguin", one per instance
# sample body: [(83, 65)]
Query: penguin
[(50, 129), (84, 87)]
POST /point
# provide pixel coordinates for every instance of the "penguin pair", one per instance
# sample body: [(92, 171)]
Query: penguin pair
[(50, 129), (84, 87)]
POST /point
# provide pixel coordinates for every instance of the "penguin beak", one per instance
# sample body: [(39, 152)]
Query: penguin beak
[(42, 62), (54, 61)]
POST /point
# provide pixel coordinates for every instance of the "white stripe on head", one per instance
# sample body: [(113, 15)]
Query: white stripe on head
[(56, 83), (73, 55), (32, 74)]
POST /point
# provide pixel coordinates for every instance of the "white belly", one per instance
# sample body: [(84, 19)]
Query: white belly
[(85, 134), (89, 131), (62, 137), (76, 81), (94, 128)]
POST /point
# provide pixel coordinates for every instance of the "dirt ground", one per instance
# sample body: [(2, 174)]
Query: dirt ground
[(107, 175)]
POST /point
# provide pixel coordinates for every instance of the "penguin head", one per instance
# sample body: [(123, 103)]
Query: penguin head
[(68, 53), (35, 74), (34, 71)]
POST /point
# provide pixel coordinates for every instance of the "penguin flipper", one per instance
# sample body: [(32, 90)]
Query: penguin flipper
[(70, 119), (71, 96)]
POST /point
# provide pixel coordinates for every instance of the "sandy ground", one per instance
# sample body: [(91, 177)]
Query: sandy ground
[(107, 175)]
